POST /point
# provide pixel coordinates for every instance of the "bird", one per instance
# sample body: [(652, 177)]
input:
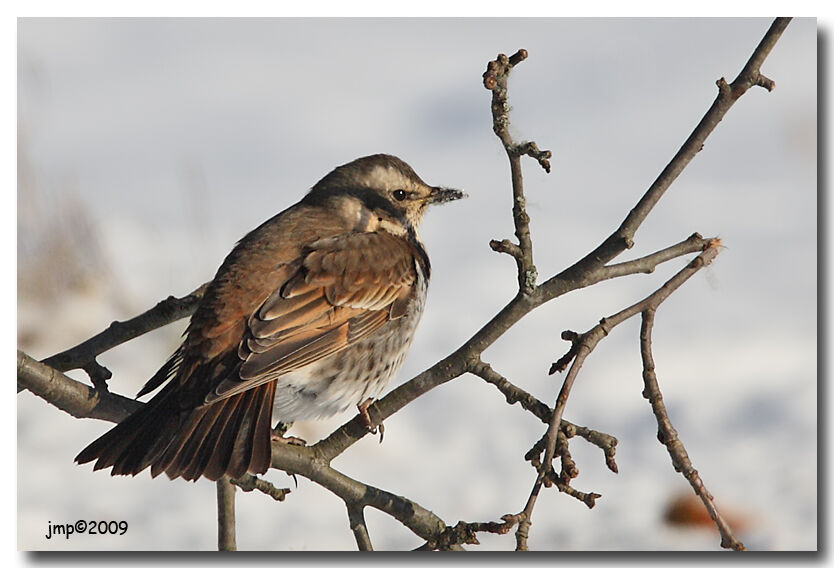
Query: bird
[(310, 314)]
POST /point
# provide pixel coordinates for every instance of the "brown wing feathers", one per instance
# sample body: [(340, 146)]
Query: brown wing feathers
[(214, 416), (324, 306)]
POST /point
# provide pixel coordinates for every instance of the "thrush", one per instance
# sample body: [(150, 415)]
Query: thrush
[(310, 314)]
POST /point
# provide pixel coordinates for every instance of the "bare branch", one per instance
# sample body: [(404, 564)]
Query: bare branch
[(606, 442), (72, 397), (495, 79), (569, 469), (249, 482), (465, 533), (507, 247), (225, 515), (648, 263), (564, 360), (532, 150), (668, 436), (83, 356), (590, 499), (511, 392), (751, 75), (356, 517)]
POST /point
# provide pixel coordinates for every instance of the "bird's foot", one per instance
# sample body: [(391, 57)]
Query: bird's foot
[(365, 417), (289, 440), (278, 432)]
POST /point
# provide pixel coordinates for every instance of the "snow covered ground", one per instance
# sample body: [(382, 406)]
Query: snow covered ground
[(178, 136)]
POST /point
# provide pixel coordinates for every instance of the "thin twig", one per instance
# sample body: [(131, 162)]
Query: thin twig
[(668, 436), (495, 79), (466, 533), (569, 469), (511, 392), (83, 355), (606, 442), (562, 363), (590, 499), (648, 263), (249, 482)]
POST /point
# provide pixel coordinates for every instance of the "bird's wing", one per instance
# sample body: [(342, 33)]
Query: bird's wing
[(343, 288)]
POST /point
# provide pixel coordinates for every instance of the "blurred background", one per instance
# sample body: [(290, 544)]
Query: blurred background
[(148, 147)]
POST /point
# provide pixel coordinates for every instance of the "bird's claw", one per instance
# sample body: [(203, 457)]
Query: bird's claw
[(278, 432), (365, 418)]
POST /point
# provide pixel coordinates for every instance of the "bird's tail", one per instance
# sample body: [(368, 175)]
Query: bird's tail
[(230, 436)]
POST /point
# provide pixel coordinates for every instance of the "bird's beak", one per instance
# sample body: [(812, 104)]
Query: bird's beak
[(445, 194)]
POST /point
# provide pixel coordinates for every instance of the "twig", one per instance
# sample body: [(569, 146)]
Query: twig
[(225, 515), (569, 469), (466, 533), (83, 356), (648, 263), (606, 442), (550, 439), (562, 363), (532, 150), (511, 392), (495, 79), (249, 482), (590, 499), (668, 436), (751, 74), (356, 518), (74, 398)]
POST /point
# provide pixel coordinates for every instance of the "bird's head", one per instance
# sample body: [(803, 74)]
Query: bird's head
[(379, 192)]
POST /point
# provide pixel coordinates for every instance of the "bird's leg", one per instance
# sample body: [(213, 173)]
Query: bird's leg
[(366, 418), (281, 429)]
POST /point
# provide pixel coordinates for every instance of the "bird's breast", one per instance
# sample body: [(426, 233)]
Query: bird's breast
[(362, 370)]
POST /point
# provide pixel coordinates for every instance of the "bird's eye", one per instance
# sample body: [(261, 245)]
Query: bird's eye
[(399, 194)]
